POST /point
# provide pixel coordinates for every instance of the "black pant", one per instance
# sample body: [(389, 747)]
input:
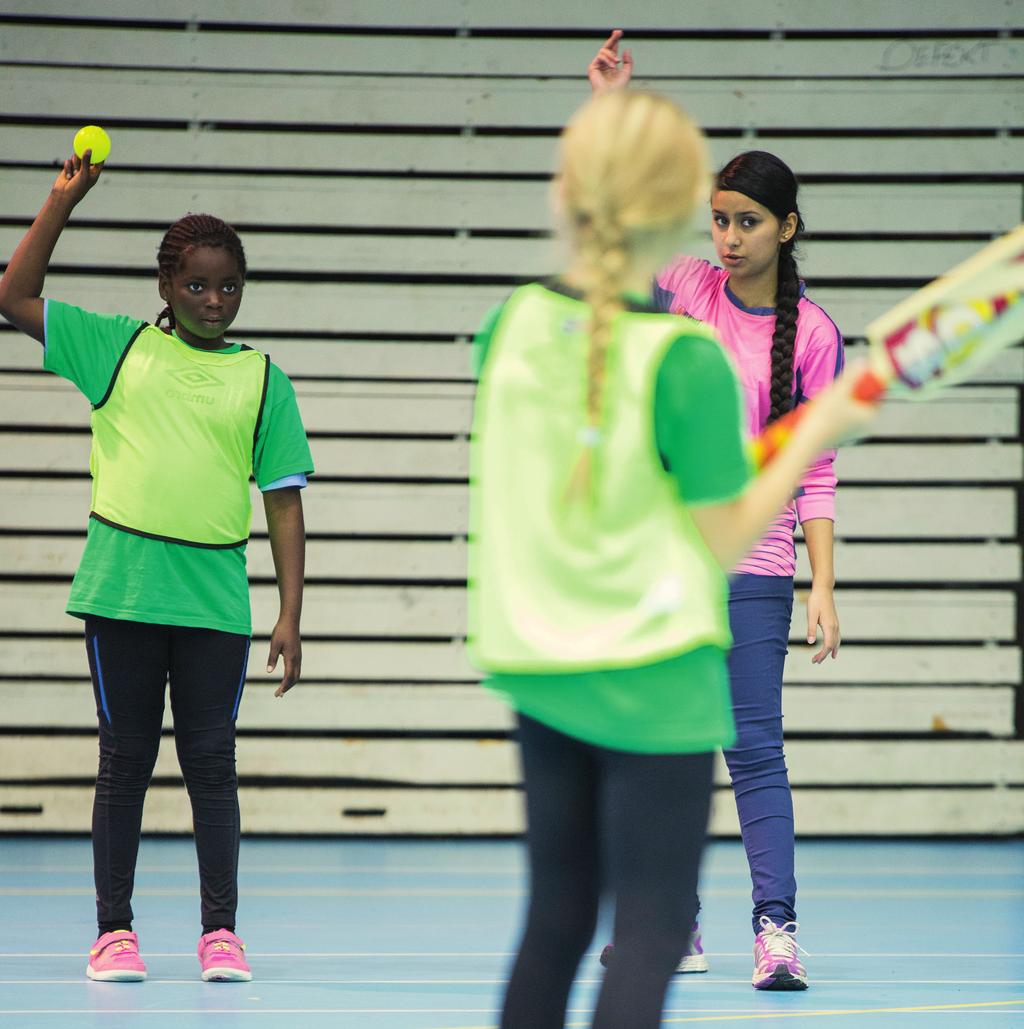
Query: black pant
[(605, 822), (130, 664)]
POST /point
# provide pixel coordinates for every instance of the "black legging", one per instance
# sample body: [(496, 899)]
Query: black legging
[(624, 825), (130, 664)]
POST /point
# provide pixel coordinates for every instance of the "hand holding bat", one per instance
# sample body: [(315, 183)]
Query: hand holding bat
[(937, 337)]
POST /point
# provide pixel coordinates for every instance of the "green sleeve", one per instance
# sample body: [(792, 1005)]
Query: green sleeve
[(281, 445), (85, 347), (698, 415), (482, 340)]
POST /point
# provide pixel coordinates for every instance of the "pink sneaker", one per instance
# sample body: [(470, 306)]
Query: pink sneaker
[(114, 958), (222, 956), (776, 966)]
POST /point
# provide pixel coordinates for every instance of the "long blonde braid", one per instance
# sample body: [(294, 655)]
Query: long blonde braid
[(633, 168), (602, 250)]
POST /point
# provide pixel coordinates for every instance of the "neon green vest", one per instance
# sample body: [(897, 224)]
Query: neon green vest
[(173, 442), (559, 585)]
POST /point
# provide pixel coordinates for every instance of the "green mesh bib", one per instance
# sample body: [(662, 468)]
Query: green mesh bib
[(173, 442), (620, 579)]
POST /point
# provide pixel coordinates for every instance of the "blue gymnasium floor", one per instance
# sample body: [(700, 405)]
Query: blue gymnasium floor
[(416, 935)]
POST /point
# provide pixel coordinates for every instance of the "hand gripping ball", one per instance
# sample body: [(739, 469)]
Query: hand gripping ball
[(93, 138)]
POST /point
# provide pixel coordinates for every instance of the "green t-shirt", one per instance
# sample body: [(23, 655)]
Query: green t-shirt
[(134, 578), (681, 704)]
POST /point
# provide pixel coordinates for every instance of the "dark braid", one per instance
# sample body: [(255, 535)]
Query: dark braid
[(188, 233), (768, 180), (787, 295)]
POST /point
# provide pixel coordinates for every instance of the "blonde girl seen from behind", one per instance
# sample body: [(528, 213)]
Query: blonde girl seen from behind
[(609, 490), (633, 169)]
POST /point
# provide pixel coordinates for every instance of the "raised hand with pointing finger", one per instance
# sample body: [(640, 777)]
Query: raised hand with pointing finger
[(608, 70)]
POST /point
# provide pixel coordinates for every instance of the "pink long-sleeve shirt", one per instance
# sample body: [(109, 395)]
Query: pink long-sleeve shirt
[(696, 288)]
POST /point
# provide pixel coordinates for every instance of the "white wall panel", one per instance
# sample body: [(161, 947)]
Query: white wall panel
[(439, 612), (433, 662), (407, 171), (764, 15), (842, 711), (315, 50), (284, 100), (60, 505), (353, 202), (425, 459), (445, 560), (509, 154), (902, 812)]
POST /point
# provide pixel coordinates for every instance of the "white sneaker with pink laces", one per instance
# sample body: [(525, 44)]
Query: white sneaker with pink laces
[(776, 965)]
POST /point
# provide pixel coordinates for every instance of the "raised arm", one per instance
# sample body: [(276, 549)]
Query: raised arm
[(607, 70), (21, 286)]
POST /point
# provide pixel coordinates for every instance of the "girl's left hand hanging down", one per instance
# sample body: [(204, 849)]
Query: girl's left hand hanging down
[(821, 611), (286, 642), (821, 601), (286, 527)]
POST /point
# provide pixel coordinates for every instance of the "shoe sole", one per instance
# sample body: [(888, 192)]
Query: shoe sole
[(226, 975), (115, 976), (780, 979)]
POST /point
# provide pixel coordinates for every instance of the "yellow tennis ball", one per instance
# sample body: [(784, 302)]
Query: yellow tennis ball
[(92, 137)]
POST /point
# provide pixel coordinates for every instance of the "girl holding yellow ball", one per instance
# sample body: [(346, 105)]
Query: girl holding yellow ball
[(180, 419)]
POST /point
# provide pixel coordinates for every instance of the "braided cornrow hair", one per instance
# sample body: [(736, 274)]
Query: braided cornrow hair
[(188, 233), (766, 179), (633, 167)]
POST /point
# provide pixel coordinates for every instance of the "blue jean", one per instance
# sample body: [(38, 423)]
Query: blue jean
[(760, 610)]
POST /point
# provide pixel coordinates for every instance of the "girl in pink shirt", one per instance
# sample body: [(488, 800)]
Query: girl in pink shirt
[(785, 349), (808, 361)]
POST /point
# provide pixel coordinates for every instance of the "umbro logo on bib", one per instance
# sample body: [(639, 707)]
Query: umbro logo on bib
[(195, 378)]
